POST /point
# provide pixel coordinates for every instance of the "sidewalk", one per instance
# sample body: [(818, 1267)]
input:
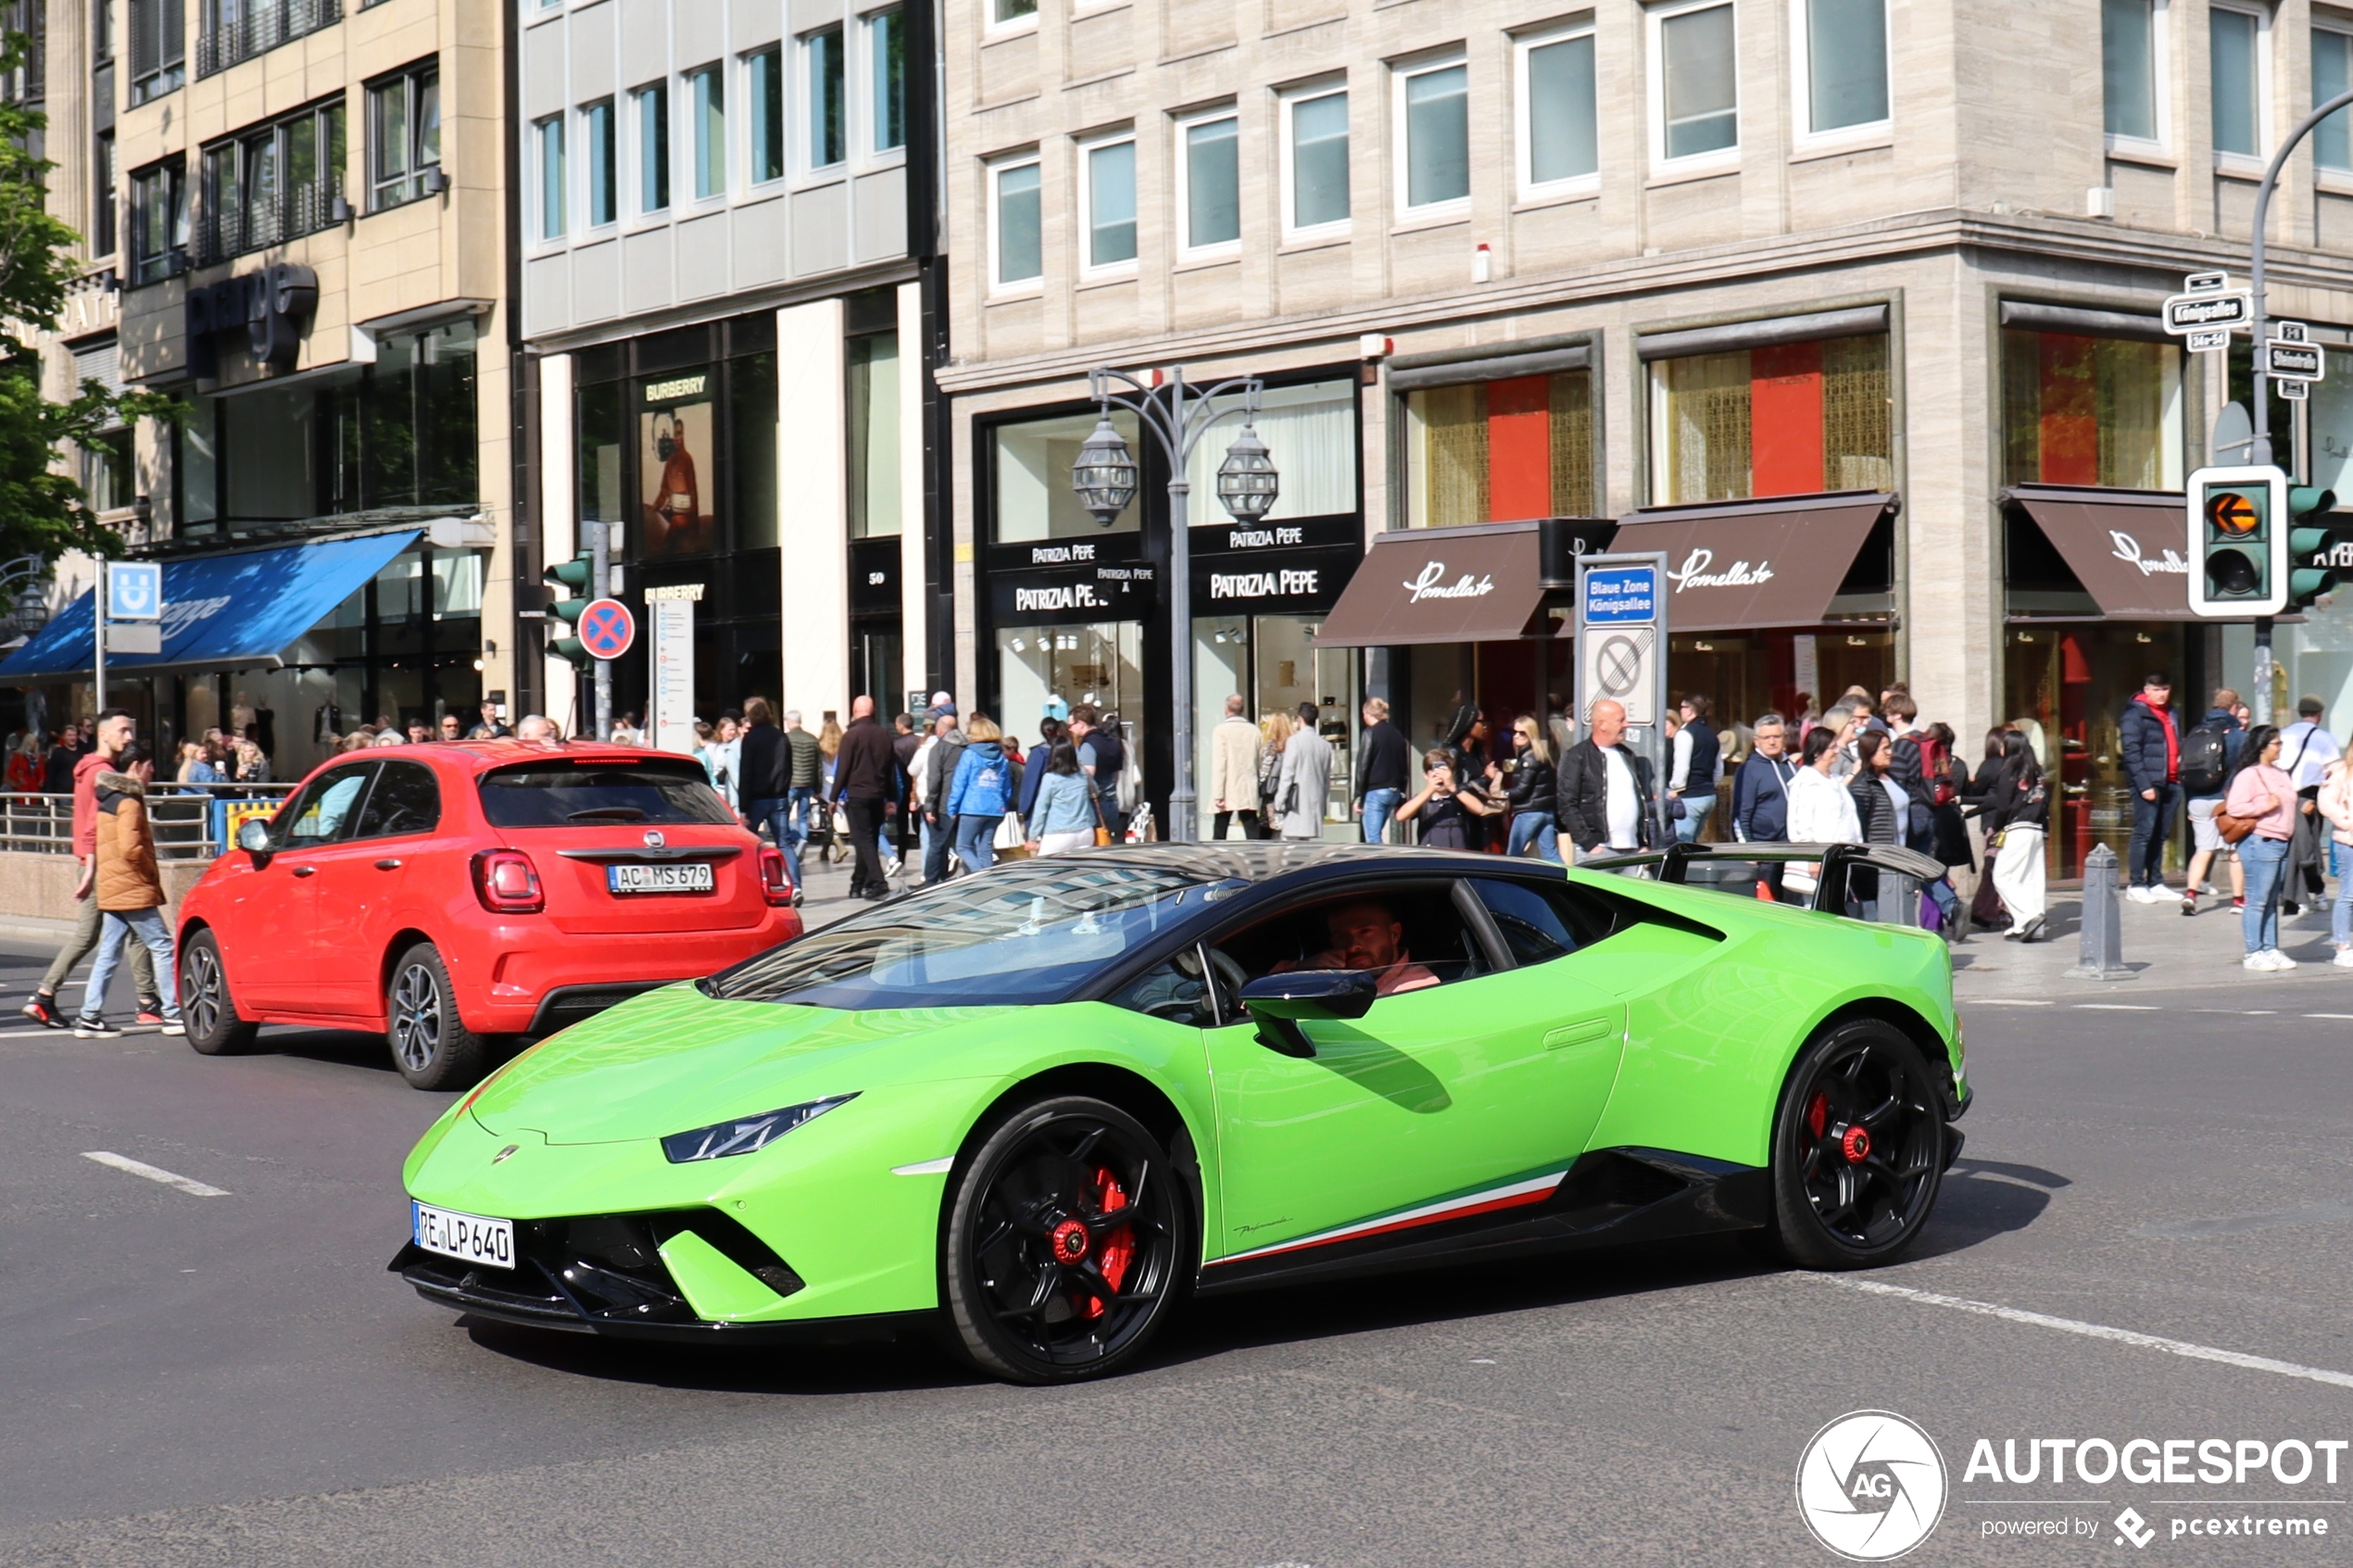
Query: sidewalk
[(2163, 951)]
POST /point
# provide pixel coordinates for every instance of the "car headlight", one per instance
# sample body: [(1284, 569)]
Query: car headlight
[(744, 1134)]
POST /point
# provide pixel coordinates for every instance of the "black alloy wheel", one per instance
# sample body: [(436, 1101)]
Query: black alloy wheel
[(1070, 1239), (431, 1044), (211, 1013), (1858, 1148)]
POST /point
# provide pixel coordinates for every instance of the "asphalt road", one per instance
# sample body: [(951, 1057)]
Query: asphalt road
[(234, 1379)]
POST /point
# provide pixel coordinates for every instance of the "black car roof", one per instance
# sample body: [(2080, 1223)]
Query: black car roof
[(1265, 861)]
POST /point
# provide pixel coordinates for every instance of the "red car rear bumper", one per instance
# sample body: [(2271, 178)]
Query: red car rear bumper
[(531, 962)]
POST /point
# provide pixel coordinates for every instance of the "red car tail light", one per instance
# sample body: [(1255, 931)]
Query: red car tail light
[(773, 881), (507, 882)]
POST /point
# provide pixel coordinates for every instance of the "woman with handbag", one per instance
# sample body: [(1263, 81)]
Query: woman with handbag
[(1064, 816), (2017, 814), (1274, 732), (2258, 815)]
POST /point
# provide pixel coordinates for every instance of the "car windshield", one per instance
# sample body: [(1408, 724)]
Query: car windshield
[(1026, 932), (571, 795)]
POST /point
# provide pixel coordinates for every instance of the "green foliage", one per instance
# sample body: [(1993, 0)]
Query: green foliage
[(43, 513)]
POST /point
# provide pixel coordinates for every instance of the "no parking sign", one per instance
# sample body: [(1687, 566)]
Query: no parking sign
[(607, 628)]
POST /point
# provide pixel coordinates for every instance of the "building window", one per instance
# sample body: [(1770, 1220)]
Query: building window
[(1315, 161), (103, 195), (404, 136), (1109, 192), (1312, 431), (1559, 140), (653, 146), (1695, 81), (764, 72), (707, 101), (548, 144), (2131, 37), (1014, 232), (2332, 74), (1433, 119), (1033, 495), (158, 48), (1209, 180), (230, 30), (1844, 64), (2089, 410), (158, 221), (604, 182), (828, 135), (101, 31), (1499, 451), (1788, 419), (887, 49), (106, 476), (1012, 13), (2235, 41), (874, 436), (273, 183)]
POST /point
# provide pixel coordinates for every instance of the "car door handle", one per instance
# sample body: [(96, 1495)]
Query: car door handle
[(387, 865), (306, 870), (1581, 1033)]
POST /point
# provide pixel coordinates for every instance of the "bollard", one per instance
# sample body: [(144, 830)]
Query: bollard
[(2102, 955)]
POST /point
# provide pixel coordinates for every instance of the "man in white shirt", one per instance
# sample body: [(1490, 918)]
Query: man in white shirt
[(2305, 751), (1601, 797)]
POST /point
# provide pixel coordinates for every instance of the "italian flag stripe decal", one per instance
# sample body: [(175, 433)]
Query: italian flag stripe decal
[(1534, 1189)]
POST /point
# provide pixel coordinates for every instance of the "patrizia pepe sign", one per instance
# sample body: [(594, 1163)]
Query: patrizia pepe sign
[(2128, 548), (1430, 584), (1693, 573)]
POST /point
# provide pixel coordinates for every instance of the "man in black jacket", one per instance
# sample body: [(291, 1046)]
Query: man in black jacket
[(1602, 799), (865, 778), (764, 784)]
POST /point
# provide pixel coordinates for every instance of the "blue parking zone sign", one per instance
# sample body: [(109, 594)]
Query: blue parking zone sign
[(134, 590), (1621, 595)]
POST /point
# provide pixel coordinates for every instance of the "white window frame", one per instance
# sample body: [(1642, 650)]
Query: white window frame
[(992, 29), (1181, 156), (1287, 102), (1654, 21), (801, 104), (2265, 133), (868, 119), (2161, 68), (1400, 73), (2342, 27), (637, 215), (1804, 137), (1523, 134), (994, 172), (542, 238), (1087, 148), (587, 160)]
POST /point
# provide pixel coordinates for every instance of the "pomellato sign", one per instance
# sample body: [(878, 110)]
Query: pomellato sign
[(1431, 584), (2127, 548), (1695, 572)]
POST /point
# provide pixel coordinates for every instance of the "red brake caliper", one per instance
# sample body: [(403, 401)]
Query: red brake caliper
[(1119, 1248), (1817, 1113)]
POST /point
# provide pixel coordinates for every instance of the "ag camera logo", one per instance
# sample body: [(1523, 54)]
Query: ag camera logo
[(1872, 1486)]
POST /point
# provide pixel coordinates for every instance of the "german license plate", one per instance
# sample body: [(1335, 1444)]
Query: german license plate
[(694, 876), (469, 1237)]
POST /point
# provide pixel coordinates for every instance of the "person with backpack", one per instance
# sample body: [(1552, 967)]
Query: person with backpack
[(2209, 752)]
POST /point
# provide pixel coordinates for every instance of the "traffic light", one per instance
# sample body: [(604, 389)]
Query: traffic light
[(2309, 538), (574, 587), (2238, 530)]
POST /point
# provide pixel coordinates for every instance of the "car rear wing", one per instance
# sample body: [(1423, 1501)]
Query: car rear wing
[(1842, 875)]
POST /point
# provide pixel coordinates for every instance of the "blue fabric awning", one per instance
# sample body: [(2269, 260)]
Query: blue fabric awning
[(220, 611)]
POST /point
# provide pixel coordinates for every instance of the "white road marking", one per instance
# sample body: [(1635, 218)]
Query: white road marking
[(2005, 1002), (34, 1033), (2328, 1015), (2115, 1007), (2093, 1330), (939, 1167), (188, 1185)]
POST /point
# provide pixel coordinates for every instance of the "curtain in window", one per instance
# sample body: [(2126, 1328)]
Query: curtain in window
[(1707, 427), (1857, 453), (1310, 434)]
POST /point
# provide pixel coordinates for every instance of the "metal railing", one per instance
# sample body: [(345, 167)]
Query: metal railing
[(191, 821), (258, 26)]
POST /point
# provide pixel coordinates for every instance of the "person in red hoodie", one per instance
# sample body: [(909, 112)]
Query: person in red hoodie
[(115, 731), (2150, 739)]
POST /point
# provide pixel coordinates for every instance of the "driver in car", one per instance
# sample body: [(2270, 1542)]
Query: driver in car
[(1365, 934)]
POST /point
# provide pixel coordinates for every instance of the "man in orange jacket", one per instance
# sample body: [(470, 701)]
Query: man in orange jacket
[(129, 893)]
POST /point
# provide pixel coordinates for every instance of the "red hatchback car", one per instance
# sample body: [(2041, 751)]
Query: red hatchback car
[(448, 894)]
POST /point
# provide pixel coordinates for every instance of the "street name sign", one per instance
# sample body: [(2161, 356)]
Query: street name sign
[(2289, 359), (2187, 313)]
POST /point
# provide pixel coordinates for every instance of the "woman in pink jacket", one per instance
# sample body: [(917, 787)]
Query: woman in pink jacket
[(2261, 790)]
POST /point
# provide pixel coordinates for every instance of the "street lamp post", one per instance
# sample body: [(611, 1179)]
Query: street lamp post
[(2260, 452), (1105, 479)]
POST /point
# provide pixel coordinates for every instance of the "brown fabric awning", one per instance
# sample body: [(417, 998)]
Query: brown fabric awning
[(1747, 565), (1477, 584), (2125, 546)]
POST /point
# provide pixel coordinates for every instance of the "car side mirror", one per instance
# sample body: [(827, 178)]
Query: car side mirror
[(253, 836), (1280, 1001)]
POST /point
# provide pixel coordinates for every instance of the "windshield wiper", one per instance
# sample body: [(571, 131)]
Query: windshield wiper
[(612, 813)]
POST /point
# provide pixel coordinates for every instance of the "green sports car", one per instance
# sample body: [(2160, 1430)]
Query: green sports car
[(1037, 1107)]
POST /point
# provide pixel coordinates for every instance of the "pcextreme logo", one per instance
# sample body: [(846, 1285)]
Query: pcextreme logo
[(1870, 1485)]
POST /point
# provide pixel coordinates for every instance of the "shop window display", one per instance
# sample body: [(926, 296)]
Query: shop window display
[(1785, 419), (1102, 663), (1034, 499), (1312, 433), (1499, 451), (1272, 662), (2066, 687), (2087, 410)]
